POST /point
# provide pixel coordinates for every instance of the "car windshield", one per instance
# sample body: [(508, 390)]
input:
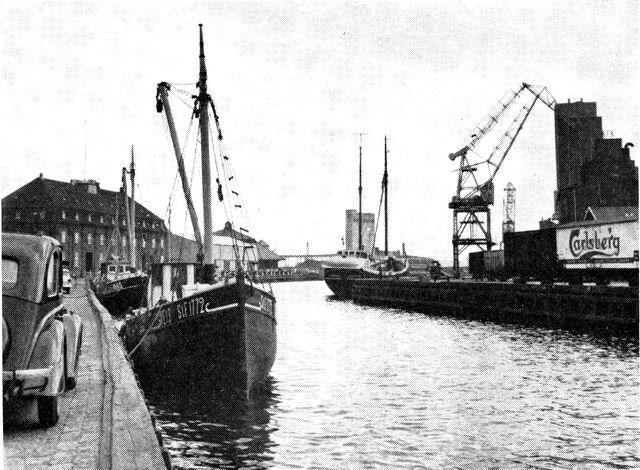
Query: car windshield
[(9, 273)]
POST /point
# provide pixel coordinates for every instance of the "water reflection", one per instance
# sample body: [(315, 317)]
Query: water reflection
[(365, 387), (207, 430)]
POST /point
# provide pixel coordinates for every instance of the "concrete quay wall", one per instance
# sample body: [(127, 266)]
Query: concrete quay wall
[(594, 309)]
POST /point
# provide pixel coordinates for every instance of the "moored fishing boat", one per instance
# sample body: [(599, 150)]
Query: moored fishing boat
[(218, 333), (121, 287), (120, 294)]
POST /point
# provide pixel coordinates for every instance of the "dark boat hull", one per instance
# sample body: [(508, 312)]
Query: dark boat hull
[(341, 281), (118, 296), (223, 339)]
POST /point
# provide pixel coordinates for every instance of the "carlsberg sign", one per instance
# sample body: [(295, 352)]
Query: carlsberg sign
[(598, 243)]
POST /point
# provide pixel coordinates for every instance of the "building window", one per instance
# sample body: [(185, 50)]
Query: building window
[(102, 219), (144, 224), (113, 221), (42, 214), (77, 216), (153, 243), (63, 236), (124, 242), (144, 243), (89, 217), (124, 222), (162, 243), (89, 237), (76, 237), (101, 257), (64, 215), (17, 215), (76, 259), (102, 239)]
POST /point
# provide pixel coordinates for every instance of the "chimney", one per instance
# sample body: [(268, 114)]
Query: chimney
[(40, 175)]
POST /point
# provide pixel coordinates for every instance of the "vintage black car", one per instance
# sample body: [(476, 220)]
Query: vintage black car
[(41, 339)]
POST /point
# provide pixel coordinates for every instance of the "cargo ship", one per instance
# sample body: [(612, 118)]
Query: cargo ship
[(340, 271)]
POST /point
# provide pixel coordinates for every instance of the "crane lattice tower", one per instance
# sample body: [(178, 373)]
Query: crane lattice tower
[(509, 209)]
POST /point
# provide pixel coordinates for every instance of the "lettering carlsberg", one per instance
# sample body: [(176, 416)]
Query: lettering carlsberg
[(585, 243)]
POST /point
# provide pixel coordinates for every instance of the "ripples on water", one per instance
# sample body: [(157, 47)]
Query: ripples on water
[(364, 387)]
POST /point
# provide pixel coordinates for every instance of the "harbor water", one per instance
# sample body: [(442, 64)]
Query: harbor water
[(363, 387)]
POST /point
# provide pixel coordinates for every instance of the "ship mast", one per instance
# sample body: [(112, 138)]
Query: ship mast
[(203, 99), (360, 201), (132, 229), (127, 208), (385, 182)]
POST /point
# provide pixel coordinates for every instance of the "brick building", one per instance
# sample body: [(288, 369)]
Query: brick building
[(82, 216), (592, 171)]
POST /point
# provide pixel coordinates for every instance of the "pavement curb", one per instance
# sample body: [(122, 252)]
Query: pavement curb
[(134, 442)]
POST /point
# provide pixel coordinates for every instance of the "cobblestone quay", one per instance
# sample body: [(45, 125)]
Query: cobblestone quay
[(104, 422)]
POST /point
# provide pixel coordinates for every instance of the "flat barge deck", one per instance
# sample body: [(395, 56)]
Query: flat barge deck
[(595, 309)]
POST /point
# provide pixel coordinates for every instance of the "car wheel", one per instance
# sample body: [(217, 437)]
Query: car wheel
[(48, 411)]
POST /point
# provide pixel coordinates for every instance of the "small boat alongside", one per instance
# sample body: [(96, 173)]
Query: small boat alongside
[(121, 292), (219, 334), (121, 287)]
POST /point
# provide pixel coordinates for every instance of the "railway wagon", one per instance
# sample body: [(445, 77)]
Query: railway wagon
[(487, 265), (532, 255)]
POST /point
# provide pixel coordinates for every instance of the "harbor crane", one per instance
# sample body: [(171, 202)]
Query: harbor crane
[(474, 195)]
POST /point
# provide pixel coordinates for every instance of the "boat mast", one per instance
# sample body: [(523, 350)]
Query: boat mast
[(203, 99), (163, 103), (360, 201), (132, 229), (385, 182), (127, 207), (117, 231)]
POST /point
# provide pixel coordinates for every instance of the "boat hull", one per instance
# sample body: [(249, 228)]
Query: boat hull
[(340, 281), (223, 339), (118, 296)]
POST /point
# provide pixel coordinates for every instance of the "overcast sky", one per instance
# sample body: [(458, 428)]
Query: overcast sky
[(293, 84)]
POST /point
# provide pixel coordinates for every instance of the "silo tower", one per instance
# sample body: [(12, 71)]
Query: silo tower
[(509, 209)]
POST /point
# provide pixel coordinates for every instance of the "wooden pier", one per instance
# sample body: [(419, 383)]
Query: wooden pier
[(595, 309)]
